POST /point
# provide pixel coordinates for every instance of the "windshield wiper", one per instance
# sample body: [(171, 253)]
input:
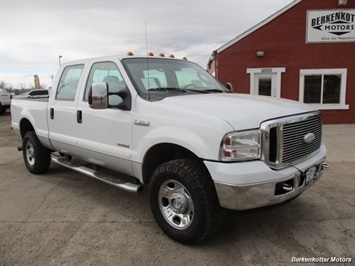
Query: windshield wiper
[(184, 90), (193, 90), (214, 90), (164, 89), (203, 91)]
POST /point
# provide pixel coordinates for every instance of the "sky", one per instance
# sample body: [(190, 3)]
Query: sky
[(35, 33)]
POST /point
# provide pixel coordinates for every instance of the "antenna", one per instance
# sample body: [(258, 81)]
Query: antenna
[(146, 49), (146, 37)]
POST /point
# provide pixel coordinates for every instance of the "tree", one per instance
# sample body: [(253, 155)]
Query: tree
[(6, 86), (22, 86), (2, 85)]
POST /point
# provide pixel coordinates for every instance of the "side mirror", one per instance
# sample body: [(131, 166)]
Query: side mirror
[(229, 87), (125, 95), (99, 97)]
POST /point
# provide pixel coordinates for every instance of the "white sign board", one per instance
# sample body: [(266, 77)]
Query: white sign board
[(330, 26)]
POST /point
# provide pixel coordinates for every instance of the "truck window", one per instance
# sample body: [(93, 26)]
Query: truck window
[(160, 77), (189, 76), (154, 78), (68, 83), (109, 73)]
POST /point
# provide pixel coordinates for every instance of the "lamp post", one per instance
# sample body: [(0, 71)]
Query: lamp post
[(60, 63)]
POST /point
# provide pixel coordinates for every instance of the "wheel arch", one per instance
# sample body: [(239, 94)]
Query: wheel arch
[(161, 153), (25, 126)]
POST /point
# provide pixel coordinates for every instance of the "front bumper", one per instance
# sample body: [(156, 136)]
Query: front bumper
[(248, 185)]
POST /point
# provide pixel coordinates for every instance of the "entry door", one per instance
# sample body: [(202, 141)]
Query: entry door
[(62, 114), (105, 136), (265, 84)]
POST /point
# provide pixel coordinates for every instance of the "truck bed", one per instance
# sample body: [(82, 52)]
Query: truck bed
[(32, 99), (33, 110)]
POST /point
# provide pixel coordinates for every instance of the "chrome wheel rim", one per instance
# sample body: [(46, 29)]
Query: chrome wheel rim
[(30, 154), (176, 204)]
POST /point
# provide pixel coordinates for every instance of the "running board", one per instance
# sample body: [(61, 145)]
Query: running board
[(109, 179)]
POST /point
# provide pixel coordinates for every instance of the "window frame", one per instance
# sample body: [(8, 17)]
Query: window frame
[(321, 72)]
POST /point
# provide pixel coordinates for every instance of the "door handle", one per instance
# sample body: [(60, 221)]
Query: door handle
[(51, 113), (79, 116)]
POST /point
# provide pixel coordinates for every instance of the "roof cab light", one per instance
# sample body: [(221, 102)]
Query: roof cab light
[(241, 146)]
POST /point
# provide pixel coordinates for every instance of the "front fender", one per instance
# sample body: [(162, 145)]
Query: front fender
[(203, 142)]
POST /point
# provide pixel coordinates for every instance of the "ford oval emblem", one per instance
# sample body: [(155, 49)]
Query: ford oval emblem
[(309, 138)]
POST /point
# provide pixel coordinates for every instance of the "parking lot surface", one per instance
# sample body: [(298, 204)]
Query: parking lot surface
[(65, 218)]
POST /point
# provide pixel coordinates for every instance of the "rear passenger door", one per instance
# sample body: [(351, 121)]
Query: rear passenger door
[(62, 110)]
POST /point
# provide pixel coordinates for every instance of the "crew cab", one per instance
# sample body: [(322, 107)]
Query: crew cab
[(167, 125)]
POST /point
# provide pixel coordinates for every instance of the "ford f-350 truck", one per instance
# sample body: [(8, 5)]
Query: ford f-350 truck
[(168, 125)]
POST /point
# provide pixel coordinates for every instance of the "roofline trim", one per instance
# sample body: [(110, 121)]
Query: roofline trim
[(257, 26)]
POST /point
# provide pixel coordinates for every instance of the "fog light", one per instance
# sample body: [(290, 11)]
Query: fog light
[(311, 174)]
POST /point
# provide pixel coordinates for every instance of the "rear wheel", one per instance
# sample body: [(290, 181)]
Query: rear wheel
[(37, 157), (184, 201)]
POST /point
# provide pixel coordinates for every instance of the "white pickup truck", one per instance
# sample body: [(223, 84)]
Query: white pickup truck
[(5, 101), (166, 124)]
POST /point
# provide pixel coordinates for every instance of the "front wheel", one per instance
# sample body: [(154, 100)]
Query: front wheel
[(37, 157), (184, 201)]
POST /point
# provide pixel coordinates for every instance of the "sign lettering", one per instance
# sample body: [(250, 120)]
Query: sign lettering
[(331, 25)]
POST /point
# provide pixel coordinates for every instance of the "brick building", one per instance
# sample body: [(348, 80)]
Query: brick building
[(304, 52)]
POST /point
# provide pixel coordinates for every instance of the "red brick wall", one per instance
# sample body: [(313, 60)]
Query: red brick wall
[(283, 41)]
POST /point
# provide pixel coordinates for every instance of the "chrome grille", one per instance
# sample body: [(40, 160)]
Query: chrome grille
[(294, 145), (292, 139)]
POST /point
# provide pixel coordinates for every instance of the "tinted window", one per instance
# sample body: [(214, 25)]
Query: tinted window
[(322, 89), (166, 75), (68, 83), (109, 73)]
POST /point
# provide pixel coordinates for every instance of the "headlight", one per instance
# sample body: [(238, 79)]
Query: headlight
[(241, 146)]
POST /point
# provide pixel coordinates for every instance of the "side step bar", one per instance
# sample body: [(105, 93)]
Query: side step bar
[(111, 180)]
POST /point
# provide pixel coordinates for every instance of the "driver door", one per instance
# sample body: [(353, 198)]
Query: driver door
[(105, 136)]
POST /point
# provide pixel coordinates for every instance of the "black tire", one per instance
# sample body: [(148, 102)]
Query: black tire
[(37, 158), (2, 109), (184, 201)]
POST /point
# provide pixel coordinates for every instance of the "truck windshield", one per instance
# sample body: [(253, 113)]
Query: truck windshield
[(168, 77)]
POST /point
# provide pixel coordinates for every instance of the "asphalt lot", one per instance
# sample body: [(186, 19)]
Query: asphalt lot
[(65, 218)]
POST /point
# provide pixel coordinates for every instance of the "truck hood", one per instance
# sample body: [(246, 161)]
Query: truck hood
[(241, 111)]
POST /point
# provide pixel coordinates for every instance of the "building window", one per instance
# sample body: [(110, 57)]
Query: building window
[(323, 88), (266, 81)]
